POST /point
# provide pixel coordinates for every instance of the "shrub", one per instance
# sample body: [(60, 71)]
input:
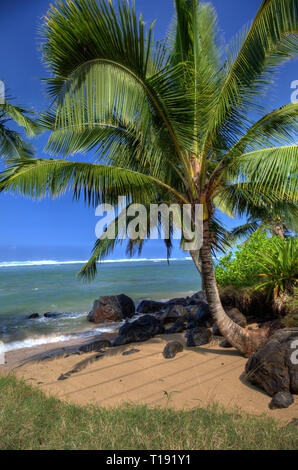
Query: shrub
[(242, 268), (291, 319), (279, 267)]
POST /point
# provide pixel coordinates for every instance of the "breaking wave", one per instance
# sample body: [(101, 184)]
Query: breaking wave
[(13, 264), (55, 338)]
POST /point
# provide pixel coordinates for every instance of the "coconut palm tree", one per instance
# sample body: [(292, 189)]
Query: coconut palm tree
[(280, 220), (12, 145), (177, 121)]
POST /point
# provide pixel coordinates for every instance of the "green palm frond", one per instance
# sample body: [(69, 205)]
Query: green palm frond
[(245, 230), (195, 43), (271, 39), (282, 214), (101, 31), (96, 183), (220, 236), (119, 71), (182, 36), (12, 144), (103, 247), (244, 198), (276, 128), (23, 117), (207, 66), (275, 167), (102, 92), (119, 144)]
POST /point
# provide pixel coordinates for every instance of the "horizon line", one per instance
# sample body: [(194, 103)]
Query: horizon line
[(7, 264)]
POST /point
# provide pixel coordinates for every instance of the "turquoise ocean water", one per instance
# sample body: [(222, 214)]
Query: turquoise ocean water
[(50, 286)]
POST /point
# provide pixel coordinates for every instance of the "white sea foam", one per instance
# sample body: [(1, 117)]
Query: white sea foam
[(50, 339), (13, 264), (32, 342)]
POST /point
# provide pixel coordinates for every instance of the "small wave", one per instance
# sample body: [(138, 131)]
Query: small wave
[(42, 340), (14, 264), (58, 316), (32, 342)]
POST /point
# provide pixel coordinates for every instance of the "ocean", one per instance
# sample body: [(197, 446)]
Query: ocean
[(52, 286)]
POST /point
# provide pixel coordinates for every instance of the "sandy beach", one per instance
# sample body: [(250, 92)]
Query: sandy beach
[(194, 378)]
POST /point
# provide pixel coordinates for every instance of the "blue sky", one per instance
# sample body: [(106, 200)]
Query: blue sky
[(61, 229)]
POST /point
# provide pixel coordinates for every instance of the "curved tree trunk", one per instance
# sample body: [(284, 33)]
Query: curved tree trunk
[(244, 340)]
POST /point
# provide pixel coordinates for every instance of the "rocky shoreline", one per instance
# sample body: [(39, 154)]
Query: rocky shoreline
[(140, 373), (269, 369), (151, 318)]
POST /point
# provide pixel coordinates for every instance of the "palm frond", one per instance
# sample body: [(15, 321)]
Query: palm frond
[(195, 43), (122, 145), (247, 198), (220, 236), (96, 183), (119, 71), (23, 117), (102, 32), (276, 128), (12, 145), (271, 168), (104, 246), (244, 230), (271, 39)]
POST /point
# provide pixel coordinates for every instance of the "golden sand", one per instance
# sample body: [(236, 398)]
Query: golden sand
[(194, 378)]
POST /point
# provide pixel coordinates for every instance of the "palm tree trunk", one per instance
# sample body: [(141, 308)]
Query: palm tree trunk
[(244, 340)]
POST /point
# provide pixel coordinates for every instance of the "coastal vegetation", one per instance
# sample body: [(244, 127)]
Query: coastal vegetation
[(268, 263), (168, 121), (291, 319), (263, 269), (30, 420), (242, 267), (279, 268)]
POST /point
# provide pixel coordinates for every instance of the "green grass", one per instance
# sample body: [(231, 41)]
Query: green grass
[(30, 420)]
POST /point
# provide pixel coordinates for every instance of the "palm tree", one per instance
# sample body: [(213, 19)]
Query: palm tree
[(167, 121), (12, 145), (280, 220)]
